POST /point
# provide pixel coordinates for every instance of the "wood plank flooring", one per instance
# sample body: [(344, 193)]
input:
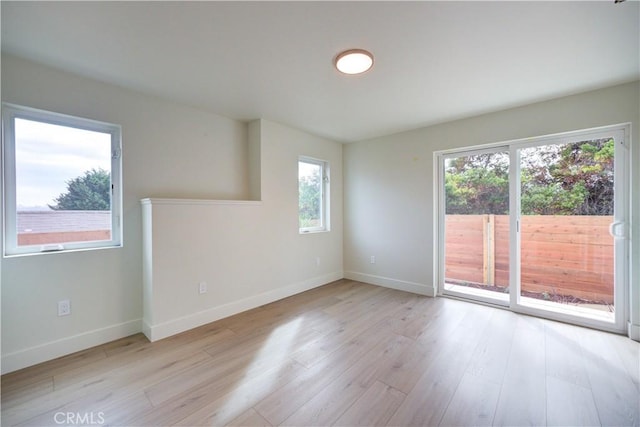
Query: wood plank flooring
[(345, 354)]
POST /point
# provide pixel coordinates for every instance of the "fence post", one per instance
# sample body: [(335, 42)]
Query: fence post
[(485, 250), (488, 249)]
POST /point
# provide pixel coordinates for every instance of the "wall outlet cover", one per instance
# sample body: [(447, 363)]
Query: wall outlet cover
[(64, 307), (202, 287)]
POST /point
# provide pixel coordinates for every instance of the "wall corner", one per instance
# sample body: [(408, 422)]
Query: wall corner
[(255, 160)]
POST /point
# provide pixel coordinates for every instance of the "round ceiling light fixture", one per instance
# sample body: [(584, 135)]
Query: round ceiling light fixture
[(354, 61)]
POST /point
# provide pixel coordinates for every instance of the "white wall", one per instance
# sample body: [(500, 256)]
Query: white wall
[(169, 150), (389, 183), (173, 151), (248, 252)]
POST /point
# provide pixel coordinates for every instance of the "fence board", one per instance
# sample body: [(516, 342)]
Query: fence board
[(538, 236), (568, 255), (25, 239)]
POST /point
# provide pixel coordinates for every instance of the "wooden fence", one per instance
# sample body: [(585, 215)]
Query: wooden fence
[(25, 239), (563, 255)]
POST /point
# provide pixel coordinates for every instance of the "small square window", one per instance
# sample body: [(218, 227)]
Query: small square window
[(313, 190), (61, 182)]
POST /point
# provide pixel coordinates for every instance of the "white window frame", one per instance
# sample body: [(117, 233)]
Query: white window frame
[(324, 196), (10, 112), (622, 215)]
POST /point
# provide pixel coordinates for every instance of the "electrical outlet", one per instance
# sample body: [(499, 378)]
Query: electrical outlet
[(373, 259), (64, 307), (202, 287), (318, 261)]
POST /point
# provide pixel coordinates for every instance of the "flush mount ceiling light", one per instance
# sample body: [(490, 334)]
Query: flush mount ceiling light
[(354, 61)]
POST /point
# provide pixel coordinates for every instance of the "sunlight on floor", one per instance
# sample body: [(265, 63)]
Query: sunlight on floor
[(276, 349)]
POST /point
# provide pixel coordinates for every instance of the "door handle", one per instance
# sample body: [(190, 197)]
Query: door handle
[(617, 230)]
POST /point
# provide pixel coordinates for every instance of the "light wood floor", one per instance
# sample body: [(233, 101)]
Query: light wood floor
[(344, 354)]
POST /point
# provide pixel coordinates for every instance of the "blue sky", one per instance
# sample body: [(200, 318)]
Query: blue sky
[(47, 156)]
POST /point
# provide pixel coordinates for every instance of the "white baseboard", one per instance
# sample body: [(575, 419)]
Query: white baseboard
[(51, 350), (181, 324), (62, 347), (634, 332), (387, 282)]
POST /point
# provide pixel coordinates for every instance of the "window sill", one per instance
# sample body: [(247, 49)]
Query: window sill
[(62, 251), (313, 231)]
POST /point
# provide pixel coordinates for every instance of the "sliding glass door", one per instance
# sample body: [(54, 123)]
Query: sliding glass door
[(539, 226), (476, 225), (571, 219)]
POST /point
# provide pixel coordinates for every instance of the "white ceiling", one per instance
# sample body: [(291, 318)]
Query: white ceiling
[(434, 61)]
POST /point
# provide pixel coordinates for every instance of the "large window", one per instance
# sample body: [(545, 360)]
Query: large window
[(539, 225), (313, 190), (61, 182)]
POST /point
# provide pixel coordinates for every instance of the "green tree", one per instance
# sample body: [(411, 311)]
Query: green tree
[(590, 165), (90, 192), (572, 179), (478, 185), (569, 179), (551, 199), (309, 188)]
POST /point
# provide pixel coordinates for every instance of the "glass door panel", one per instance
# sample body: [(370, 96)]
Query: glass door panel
[(476, 226), (540, 225), (567, 205)]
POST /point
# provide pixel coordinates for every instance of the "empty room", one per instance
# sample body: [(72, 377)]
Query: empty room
[(320, 213)]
